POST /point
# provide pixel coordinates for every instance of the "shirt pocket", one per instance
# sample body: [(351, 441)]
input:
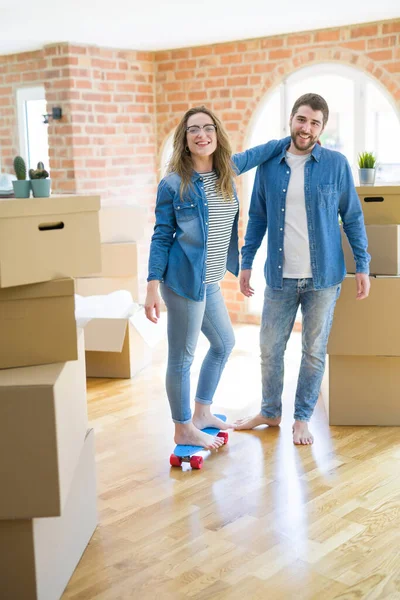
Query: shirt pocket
[(328, 197), (186, 211)]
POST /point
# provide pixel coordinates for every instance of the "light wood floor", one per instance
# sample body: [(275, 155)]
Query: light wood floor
[(263, 519)]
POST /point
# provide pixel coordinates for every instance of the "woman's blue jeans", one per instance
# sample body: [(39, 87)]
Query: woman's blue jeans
[(279, 313), (186, 318)]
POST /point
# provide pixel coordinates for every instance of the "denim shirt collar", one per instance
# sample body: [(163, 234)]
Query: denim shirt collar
[(316, 153)]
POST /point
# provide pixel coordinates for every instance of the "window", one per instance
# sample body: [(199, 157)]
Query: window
[(361, 118), (166, 154), (33, 138)]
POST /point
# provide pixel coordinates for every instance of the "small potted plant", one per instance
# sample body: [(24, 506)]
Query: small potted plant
[(39, 181), (22, 187), (366, 168)]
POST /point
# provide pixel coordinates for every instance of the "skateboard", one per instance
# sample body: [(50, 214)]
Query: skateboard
[(184, 453)]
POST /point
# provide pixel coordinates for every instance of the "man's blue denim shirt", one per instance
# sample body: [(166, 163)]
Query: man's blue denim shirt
[(329, 192), (179, 244)]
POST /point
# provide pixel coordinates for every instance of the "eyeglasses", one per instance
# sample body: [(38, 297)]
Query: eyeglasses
[(195, 129)]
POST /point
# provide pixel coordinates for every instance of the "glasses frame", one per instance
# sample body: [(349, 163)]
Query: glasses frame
[(200, 127)]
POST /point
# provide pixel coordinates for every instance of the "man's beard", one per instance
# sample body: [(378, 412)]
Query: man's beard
[(311, 142)]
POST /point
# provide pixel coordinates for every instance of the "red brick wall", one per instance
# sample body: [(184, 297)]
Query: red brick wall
[(232, 78)]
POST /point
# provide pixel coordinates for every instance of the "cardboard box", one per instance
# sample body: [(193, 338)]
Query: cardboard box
[(39, 556), (43, 423), (37, 324), (48, 238), (114, 348), (383, 246), (362, 390), (99, 286), (118, 260), (380, 204), (125, 223), (370, 326)]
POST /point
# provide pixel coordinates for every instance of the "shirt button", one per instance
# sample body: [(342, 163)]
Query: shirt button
[(205, 203), (287, 172), (283, 190), (206, 222), (192, 205), (280, 229), (283, 210), (279, 267), (201, 179), (280, 249), (178, 208)]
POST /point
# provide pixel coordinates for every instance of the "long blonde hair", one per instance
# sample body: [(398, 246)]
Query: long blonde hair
[(181, 161)]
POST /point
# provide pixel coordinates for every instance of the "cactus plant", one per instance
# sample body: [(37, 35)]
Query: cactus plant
[(20, 168), (39, 172)]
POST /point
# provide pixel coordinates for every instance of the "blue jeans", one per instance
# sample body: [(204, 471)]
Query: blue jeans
[(279, 313), (186, 318)]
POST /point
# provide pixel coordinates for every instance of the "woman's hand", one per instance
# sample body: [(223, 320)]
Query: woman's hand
[(153, 301)]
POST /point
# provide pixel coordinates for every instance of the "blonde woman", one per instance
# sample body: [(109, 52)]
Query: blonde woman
[(195, 242)]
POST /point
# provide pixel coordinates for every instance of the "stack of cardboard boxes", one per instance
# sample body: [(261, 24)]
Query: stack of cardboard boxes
[(47, 468), (114, 347), (362, 382)]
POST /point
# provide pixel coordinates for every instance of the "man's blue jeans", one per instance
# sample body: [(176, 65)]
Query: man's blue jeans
[(186, 318), (279, 313)]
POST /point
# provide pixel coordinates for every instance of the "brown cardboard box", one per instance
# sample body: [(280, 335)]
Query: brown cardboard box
[(39, 556), (125, 223), (370, 326), (118, 260), (37, 324), (380, 204), (100, 286), (48, 238), (362, 390), (43, 423), (383, 246), (114, 348)]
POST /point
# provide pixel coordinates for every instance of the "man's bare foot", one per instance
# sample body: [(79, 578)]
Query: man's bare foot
[(251, 422), (301, 433), (189, 435), (203, 418)]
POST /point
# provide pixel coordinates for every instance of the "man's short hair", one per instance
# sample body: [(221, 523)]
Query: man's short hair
[(315, 102)]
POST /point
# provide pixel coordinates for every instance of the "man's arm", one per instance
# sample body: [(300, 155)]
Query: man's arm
[(353, 225), (255, 231), (244, 161)]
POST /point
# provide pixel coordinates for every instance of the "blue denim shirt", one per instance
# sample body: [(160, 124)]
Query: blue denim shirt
[(329, 191), (178, 247)]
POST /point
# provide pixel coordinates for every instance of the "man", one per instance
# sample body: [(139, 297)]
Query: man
[(298, 195)]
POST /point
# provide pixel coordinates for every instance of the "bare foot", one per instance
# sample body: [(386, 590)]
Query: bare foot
[(203, 419), (189, 435), (301, 433), (251, 422)]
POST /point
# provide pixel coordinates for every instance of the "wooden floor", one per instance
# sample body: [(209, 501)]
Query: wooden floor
[(263, 519)]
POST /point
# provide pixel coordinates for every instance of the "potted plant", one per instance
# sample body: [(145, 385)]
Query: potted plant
[(39, 181), (366, 168), (22, 187)]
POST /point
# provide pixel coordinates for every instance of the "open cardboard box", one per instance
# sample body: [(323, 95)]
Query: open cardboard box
[(39, 556), (37, 324), (48, 238), (43, 423)]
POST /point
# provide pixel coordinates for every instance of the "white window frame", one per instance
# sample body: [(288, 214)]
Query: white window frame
[(23, 96)]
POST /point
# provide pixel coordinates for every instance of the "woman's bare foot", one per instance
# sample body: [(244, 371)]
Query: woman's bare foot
[(189, 435), (301, 433), (203, 418), (251, 422)]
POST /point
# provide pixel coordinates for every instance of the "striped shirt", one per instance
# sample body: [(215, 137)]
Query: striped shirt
[(221, 215)]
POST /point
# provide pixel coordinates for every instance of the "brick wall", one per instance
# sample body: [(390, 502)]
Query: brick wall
[(119, 106), (232, 79)]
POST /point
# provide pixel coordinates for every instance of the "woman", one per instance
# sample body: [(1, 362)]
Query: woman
[(195, 241)]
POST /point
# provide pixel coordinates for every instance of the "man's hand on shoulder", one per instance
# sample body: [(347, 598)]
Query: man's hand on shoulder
[(363, 285), (244, 280)]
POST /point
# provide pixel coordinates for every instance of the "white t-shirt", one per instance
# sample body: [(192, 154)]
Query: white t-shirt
[(296, 248)]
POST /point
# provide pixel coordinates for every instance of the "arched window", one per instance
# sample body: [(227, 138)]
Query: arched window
[(362, 117)]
